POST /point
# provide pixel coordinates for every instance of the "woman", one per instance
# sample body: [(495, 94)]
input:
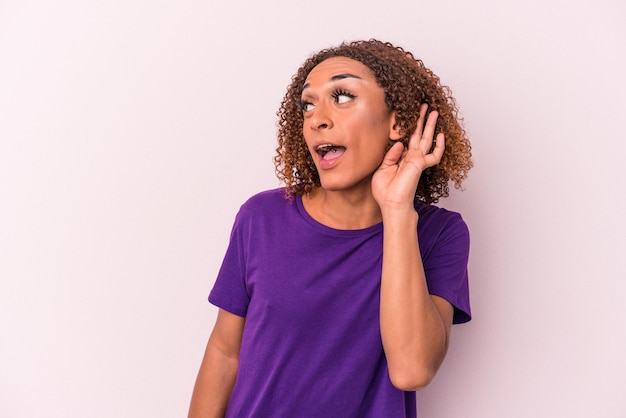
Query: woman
[(338, 292)]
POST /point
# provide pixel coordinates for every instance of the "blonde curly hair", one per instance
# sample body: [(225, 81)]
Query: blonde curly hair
[(407, 84)]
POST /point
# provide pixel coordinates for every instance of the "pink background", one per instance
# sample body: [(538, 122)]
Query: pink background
[(132, 130)]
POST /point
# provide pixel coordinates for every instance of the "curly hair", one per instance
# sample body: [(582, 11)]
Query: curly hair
[(407, 84)]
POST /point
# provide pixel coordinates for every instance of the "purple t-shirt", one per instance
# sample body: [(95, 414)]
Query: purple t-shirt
[(311, 344)]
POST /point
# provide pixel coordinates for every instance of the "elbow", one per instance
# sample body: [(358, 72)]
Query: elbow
[(411, 380)]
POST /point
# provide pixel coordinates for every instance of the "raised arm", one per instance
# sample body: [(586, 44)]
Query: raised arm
[(415, 326), (218, 370)]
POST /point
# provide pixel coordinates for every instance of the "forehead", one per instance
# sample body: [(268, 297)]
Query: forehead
[(334, 66)]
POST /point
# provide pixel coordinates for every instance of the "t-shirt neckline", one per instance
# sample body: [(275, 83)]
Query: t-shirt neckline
[(324, 228)]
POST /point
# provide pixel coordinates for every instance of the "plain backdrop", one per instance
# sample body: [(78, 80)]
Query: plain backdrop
[(132, 130)]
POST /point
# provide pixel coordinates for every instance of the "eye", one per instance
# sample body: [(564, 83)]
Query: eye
[(342, 96), (305, 106)]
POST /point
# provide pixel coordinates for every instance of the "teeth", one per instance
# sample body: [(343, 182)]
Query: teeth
[(325, 147)]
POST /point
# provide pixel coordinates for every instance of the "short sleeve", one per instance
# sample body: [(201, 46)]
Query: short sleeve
[(229, 291), (445, 265)]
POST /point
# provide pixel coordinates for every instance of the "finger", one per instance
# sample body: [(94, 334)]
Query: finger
[(417, 134), (426, 141), (393, 155), (435, 157), (422, 118)]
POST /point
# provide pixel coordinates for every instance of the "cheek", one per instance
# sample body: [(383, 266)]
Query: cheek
[(306, 139), (377, 120)]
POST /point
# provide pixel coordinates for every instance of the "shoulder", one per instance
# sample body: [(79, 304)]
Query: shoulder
[(445, 244), (435, 217), (266, 206), (438, 226), (266, 201)]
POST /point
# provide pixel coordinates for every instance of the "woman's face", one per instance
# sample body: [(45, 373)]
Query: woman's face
[(347, 124)]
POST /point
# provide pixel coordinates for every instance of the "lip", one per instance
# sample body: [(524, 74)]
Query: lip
[(326, 163), (318, 144)]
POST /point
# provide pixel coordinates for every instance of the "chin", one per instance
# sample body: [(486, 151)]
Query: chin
[(333, 184), (338, 185)]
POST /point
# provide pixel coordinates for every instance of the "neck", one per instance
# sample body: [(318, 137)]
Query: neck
[(341, 209)]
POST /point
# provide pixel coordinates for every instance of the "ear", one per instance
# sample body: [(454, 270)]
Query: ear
[(394, 131)]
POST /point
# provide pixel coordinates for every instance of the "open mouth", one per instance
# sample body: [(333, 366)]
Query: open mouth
[(330, 151)]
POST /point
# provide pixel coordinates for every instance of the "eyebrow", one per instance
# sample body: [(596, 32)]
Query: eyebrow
[(336, 78)]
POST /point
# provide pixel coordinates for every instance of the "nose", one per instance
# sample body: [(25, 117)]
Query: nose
[(321, 118)]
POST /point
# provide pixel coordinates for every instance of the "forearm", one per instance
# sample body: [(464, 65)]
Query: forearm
[(413, 333), (214, 384)]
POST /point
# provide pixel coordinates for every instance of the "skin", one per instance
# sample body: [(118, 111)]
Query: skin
[(218, 370), (360, 188), (415, 326), (363, 187), (343, 105)]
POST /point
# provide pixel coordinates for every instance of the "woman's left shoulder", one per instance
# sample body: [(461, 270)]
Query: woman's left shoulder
[(432, 214), (437, 226)]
